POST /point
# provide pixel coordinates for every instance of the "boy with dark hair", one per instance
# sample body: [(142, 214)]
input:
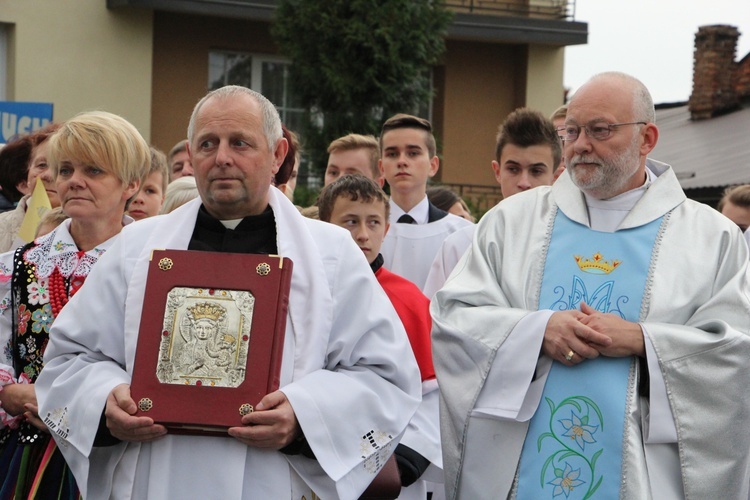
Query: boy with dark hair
[(408, 160), (527, 151), (356, 203), (526, 142)]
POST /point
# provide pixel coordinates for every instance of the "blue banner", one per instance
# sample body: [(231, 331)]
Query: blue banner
[(20, 118)]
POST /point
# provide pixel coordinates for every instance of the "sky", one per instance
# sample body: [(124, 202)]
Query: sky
[(652, 40)]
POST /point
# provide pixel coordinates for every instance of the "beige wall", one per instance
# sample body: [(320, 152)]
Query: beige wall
[(80, 56), (482, 84), (181, 47), (544, 87)]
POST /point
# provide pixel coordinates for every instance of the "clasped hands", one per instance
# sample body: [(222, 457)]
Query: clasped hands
[(572, 336), (272, 425)]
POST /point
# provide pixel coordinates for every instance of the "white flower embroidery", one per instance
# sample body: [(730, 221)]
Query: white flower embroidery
[(38, 292)]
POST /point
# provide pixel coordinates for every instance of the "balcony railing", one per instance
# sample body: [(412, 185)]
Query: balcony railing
[(543, 9), (480, 198)]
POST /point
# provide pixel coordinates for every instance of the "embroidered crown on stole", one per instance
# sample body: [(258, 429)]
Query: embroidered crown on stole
[(596, 264)]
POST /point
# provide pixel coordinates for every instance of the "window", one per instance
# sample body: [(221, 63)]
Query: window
[(264, 74), (269, 76)]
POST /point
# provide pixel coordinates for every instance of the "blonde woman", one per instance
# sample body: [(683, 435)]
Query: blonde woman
[(97, 161)]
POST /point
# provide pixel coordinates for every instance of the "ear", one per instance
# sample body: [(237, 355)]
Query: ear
[(190, 153), (650, 137), (282, 146), (496, 170), (131, 189), (381, 178), (434, 165), (387, 227)]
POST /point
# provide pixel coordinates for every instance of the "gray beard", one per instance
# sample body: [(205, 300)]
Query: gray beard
[(610, 177)]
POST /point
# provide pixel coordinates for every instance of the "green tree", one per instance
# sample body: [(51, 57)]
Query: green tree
[(357, 62)]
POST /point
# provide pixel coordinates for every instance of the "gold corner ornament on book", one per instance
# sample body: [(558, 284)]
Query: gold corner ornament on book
[(211, 337)]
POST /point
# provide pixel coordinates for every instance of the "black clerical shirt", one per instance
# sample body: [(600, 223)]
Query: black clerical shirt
[(255, 234)]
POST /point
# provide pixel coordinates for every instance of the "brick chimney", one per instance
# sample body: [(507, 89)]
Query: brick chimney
[(742, 82), (713, 72)]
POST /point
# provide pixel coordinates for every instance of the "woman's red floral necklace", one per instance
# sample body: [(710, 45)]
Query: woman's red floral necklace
[(58, 289)]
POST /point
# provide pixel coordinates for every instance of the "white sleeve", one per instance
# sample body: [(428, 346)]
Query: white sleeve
[(452, 249), (659, 424), (423, 433), (369, 366), (438, 274), (85, 356), (514, 385)]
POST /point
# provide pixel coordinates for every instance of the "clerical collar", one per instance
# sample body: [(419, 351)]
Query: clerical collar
[(231, 223), (247, 223), (253, 234), (420, 212), (377, 263)]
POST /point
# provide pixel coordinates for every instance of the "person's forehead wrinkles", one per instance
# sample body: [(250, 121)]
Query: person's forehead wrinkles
[(584, 119)]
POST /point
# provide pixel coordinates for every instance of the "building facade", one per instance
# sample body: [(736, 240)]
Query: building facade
[(151, 60)]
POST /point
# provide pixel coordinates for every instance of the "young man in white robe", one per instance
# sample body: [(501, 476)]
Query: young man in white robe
[(408, 159), (527, 154), (665, 329), (349, 382)]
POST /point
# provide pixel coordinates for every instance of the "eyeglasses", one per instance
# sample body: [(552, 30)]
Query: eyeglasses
[(598, 131)]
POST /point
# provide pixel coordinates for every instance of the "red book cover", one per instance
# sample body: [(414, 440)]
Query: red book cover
[(211, 337)]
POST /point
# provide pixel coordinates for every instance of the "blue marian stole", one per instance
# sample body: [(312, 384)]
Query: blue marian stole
[(573, 448)]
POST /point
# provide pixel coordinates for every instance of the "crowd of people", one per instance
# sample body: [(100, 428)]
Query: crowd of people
[(570, 343)]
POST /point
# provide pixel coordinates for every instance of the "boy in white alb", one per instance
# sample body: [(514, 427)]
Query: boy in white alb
[(408, 160)]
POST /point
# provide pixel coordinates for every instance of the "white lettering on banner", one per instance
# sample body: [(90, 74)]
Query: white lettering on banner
[(14, 124)]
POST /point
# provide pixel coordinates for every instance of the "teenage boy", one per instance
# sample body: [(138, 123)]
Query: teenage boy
[(353, 154), (356, 203), (527, 151), (408, 159)]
